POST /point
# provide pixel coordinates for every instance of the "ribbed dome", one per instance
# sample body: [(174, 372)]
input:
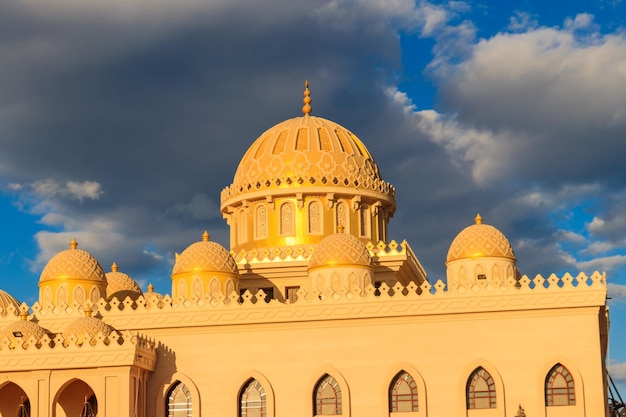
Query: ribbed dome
[(87, 326), (480, 240), (307, 151), (7, 300), (120, 285), (20, 331), (340, 249), (73, 263), (205, 256)]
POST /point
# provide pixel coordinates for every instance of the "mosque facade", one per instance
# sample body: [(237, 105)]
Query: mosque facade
[(312, 311)]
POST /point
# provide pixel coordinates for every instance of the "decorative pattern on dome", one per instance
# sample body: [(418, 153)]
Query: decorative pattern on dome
[(205, 256), (73, 263), (87, 326), (480, 240), (20, 332), (120, 285), (307, 151), (340, 249), (7, 300)]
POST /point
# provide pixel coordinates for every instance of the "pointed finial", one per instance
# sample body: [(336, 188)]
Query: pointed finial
[(340, 228), (206, 236), (114, 267), (478, 219), (73, 244), (23, 315), (150, 287), (88, 311), (306, 109)]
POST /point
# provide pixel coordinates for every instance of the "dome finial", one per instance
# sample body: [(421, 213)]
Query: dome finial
[(23, 315), (114, 267), (340, 228), (73, 244), (478, 219), (150, 287), (88, 311), (306, 109), (206, 236)]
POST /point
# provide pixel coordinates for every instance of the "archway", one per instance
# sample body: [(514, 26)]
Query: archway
[(14, 401), (76, 399)]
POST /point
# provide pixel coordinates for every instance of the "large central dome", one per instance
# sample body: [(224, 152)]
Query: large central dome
[(310, 170)]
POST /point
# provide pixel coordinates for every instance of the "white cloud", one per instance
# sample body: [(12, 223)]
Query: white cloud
[(602, 264), (50, 189), (617, 293)]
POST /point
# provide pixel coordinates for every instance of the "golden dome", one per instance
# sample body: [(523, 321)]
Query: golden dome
[(87, 326), (340, 249), (7, 300), (307, 151), (20, 331), (205, 256), (480, 240), (120, 285), (73, 264)]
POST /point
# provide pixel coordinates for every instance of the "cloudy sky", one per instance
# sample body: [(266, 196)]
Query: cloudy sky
[(121, 121)]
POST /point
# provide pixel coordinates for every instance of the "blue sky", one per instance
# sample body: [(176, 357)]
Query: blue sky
[(121, 121)]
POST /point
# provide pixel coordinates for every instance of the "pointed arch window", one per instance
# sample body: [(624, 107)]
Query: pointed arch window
[(179, 401), (403, 393), (343, 217), (559, 387), (315, 218), (365, 221), (260, 222), (242, 235), (481, 390), (327, 396), (253, 401), (287, 219)]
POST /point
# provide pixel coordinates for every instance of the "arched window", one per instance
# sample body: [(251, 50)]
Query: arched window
[(260, 222), (287, 220), (179, 403), (481, 390), (559, 387), (215, 288), (365, 221), (242, 227), (343, 217), (327, 396), (79, 295), (61, 295), (252, 401), (94, 295), (403, 393), (315, 218), (197, 288)]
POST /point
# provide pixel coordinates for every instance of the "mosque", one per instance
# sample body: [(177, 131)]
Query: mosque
[(312, 311)]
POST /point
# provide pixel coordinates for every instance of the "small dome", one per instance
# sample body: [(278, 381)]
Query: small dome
[(87, 326), (20, 331), (152, 294), (120, 285), (480, 240), (7, 300), (340, 249), (73, 264), (205, 256)]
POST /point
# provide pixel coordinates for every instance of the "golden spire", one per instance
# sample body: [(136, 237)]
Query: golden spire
[(306, 109), (73, 244), (150, 287), (114, 267), (340, 229), (23, 315), (478, 219), (88, 311), (206, 236)]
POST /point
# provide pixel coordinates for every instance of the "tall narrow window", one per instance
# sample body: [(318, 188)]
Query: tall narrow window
[(327, 396), (364, 216), (287, 219), (79, 295), (559, 388), (315, 220), (179, 402), (242, 236), (403, 393), (481, 390), (343, 217), (62, 296), (260, 222), (252, 401)]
